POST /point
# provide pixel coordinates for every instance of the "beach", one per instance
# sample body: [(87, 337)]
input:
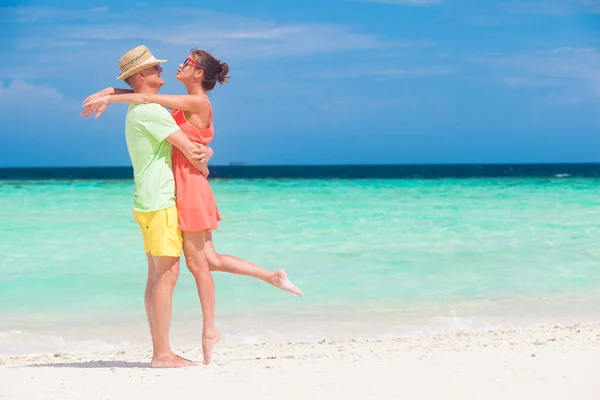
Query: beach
[(553, 362), (407, 195), (438, 288)]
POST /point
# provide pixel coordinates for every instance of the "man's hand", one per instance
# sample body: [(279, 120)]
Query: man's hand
[(202, 167), (104, 92), (204, 170), (95, 106), (202, 154), (197, 154)]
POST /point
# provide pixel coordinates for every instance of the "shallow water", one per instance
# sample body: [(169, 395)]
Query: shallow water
[(383, 256)]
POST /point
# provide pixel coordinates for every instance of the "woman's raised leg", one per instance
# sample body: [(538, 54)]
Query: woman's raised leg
[(235, 265)]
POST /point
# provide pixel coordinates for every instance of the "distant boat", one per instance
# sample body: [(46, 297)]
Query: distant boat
[(238, 163)]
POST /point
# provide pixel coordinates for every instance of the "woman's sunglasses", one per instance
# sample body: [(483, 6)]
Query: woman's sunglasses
[(191, 61)]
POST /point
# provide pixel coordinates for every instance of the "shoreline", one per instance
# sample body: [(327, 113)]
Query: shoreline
[(546, 362), (39, 335)]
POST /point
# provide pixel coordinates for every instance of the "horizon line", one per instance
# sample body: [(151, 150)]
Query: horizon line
[(326, 165)]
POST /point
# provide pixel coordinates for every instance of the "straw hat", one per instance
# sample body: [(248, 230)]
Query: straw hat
[(136, 60)]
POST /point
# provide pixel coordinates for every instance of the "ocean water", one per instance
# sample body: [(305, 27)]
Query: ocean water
[(374, 257)]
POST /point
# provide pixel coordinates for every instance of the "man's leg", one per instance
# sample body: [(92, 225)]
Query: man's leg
[(165, 272), (160, 299), (163, 246), (147, 297)]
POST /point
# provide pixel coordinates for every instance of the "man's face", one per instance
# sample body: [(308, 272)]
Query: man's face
[(152, 76)]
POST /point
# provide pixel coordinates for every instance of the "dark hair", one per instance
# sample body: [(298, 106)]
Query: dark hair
[(214, 70)]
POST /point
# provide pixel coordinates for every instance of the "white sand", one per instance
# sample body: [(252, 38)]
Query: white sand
[(542, 363)]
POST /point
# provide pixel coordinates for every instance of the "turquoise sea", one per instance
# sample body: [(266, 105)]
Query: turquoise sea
[(374, 257)]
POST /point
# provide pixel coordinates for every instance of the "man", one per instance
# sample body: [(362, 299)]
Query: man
[(150, 131)]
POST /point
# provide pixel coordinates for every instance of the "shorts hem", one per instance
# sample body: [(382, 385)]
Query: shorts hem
[(164, 254), (197, 230)]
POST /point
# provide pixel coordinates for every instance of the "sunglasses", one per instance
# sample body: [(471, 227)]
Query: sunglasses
[(190, 61)]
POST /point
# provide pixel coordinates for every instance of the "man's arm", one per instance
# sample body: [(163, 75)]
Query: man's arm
[(158, 124), (187, 147)]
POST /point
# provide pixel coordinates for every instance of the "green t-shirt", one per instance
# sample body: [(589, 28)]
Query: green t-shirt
[(146, 127)]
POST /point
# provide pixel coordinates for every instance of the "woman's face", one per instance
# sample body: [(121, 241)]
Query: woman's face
[(188, 70)]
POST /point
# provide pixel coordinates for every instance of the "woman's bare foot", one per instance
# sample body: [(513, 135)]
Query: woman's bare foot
[(281, 281), (209, 340), (171, 361)]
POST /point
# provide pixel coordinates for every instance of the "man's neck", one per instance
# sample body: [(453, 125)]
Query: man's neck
[(145, 90)]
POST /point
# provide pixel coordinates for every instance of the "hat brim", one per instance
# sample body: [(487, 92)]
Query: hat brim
[(151, 62)]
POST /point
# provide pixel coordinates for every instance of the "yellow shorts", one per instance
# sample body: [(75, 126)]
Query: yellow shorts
[(162, 236)]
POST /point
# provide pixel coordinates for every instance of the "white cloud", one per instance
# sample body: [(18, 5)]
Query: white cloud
[(519, 81), (257, 39), (566, 63), (381, 72), (67, 43), (558, 99), (22, 73), (39, 43), (572, 70), (28, 14), (405, 2), (346, 108), (42, 14), (553, 7), (19, 91), (230, 35), (487, 14), (100, 9), (271, 40), (591, 6), (548, 7)]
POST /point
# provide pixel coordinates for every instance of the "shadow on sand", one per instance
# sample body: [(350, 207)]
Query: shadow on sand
[(95, 364)]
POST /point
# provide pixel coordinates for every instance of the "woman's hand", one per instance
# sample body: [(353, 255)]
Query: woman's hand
[(95, 106)]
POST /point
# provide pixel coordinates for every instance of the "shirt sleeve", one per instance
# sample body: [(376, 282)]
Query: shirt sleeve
[(157, 122)]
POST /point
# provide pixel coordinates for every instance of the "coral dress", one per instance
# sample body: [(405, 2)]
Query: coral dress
[(196, 204)]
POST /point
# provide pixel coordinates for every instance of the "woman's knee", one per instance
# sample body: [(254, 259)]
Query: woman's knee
[(197, 265), (195, 255), (214, 263)]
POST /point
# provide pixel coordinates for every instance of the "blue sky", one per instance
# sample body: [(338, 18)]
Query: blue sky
[(317, 82)]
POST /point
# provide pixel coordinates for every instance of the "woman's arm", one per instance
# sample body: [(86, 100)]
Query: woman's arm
[(186, 102), (106, 92)]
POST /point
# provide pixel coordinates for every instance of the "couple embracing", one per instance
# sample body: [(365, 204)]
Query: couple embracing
[(173, 203)]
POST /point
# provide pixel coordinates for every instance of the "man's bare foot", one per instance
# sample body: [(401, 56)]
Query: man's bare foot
[(186, 360), (171, 361), (209, 340), (281, 281)]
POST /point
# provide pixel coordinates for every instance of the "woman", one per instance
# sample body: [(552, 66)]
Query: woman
[(197, 209)]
